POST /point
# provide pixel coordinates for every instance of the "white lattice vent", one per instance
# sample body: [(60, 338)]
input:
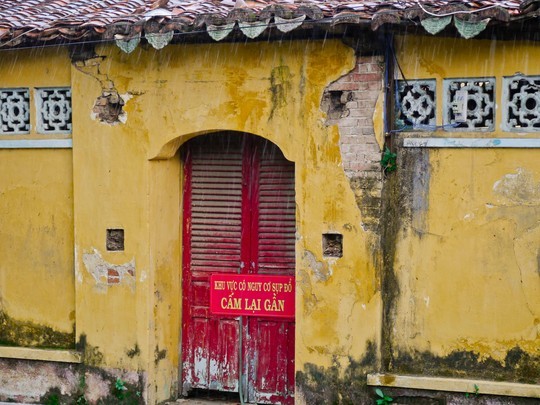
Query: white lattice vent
[(521, 101), (469, 104), (53, 109), (15, 111), (417, 104)]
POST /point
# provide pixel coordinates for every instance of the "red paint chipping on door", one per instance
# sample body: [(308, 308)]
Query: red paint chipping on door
[(239, 217)]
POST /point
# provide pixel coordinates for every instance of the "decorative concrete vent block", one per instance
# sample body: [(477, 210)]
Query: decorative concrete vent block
[(53, 109), (476, 98), (417, 104), (521, 103), (15, 111)]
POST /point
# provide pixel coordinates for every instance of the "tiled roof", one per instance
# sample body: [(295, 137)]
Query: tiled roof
[(44, 20)]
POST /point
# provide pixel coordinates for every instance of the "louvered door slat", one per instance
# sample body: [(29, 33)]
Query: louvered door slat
[(276, 213), (216, 207)]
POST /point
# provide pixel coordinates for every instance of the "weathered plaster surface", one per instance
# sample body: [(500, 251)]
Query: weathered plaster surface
[(49, 382), (462, 281), (36, 239), (271, 90), (26, 381), (466, 265), (107, 274), (519, 188)]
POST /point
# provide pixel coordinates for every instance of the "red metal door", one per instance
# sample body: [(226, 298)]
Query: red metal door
[(239, 217)]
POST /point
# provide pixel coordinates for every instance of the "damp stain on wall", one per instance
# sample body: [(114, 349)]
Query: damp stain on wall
[(15, 332)]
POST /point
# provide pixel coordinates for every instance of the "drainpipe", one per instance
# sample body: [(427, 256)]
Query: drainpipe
[(388, 109)]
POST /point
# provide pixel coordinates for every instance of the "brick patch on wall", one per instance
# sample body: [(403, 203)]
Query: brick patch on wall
[(350, 103)]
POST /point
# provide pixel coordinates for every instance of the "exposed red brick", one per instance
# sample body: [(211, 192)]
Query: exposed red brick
[(366, 77), (343, 86), (359, 149), (112, 273), (369, 95), (113, 277)]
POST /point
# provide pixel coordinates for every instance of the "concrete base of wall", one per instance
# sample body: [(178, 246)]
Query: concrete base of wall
[(453, 391), (36, 381)]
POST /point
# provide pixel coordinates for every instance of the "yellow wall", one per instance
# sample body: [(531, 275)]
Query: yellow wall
[(466, 248), (466, 259), (128, 176), (36, 207)]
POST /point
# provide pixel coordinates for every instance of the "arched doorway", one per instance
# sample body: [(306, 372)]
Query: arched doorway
[(239, 218)]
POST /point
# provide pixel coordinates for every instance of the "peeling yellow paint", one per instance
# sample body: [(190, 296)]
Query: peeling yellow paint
[(129, 177), (466, 261), (270, 90), (36, 207), (476, 258), (107, 274)]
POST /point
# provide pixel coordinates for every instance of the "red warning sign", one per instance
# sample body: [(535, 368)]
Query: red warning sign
[(252, 295)]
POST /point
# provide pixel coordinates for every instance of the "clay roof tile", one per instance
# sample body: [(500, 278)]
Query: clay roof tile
[(47, 18)]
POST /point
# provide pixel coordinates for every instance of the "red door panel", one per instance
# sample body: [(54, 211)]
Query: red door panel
[(274, 245), (239, 217), (270, 373)]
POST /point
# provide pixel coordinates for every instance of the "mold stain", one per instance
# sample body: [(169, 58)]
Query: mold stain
[(398, 213), (280, 88), (136, 351), (91, 355), (159, 355), (116, 389), (29, 334), (368, 200), (338, 384), (517, 366)]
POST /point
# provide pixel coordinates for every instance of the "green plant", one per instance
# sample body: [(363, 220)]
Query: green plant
[(53, 399), (476, 392), (388, 160), (383, 399), (80, 398), (120, 389)]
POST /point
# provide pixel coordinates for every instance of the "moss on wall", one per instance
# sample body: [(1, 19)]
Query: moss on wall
[(397, 198), (337, 384), (29, 334), (517, 366), (459, 301)]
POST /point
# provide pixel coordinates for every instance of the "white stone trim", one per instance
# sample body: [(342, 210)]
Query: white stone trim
[(27, 353), (455, 385), (471, 143), (36, 144)]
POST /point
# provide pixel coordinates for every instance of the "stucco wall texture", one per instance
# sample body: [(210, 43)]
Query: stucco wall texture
[(439, 274), (465, 272), (127, 175)]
